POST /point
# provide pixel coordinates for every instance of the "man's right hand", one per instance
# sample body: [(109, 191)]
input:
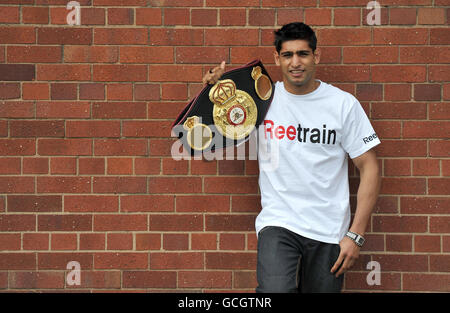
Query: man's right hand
[(213, 75)]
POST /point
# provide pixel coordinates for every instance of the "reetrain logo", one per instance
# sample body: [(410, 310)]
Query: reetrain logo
[(302, 134)]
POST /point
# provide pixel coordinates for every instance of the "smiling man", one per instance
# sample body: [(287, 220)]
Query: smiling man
[(305, 240)]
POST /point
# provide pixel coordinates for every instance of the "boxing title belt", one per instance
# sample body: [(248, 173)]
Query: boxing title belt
[(225, 113)]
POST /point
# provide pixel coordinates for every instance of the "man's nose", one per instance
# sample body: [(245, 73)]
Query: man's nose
[(296, 60)]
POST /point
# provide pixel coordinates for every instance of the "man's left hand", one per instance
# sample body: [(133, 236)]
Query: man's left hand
[(347, 257)]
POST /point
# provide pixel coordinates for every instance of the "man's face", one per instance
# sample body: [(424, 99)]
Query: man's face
[(298, 65)]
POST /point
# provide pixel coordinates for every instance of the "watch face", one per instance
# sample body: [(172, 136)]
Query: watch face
[(360, 240)]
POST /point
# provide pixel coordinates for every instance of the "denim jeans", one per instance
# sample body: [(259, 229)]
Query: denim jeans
[(288, 262)]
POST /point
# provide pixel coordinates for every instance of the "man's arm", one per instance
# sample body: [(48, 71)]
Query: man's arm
[(369, 187)]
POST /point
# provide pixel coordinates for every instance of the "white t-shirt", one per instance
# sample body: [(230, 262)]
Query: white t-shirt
[(303, 146)]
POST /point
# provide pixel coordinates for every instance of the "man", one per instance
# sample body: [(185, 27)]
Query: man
[(304, 240)]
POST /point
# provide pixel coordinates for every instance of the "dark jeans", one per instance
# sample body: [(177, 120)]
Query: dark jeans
[(288, 262)]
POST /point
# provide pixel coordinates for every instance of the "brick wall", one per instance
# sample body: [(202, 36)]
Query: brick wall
[(85, 163)]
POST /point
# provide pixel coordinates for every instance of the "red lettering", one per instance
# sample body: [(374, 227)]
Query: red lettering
[(291, 132), (279, 132), (268, 129)]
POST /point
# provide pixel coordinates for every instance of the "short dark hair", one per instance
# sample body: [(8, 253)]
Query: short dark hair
[(293, 31)]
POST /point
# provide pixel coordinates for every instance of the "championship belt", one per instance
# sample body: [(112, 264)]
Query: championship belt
[(225, 113)]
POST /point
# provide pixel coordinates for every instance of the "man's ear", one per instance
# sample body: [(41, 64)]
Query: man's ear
[(317, 54), (276, 57)]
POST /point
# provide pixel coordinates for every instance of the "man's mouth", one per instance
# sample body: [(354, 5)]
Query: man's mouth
[(296, 73)]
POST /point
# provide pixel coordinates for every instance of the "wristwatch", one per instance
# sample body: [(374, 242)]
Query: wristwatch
[(358, 239)]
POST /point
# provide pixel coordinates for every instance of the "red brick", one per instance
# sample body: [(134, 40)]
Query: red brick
[(428, 205), (173, 260), (230, 185), (350, 73), (63, 91), (116, 147), (204, 241), (99, 279), (174, 92), (402, 16), (10, 166), (439, 36), (344, 36), (202, 203), (438, 73), (146, 128), (175, 242), (148, 16), (65, 36), (92, 241), (36, 280), (91, 166), (400, 36), (120, 91), (120, 110), (426, 282), (35, 91), (149, 279), (59, 260), (10, 15), (397, 167), (402, 262), (402, 148), (121, 36), (370, 55), (358, 281), (122, 222), (426, 167), (34, 54), (204, 279), (33, 203), (232, 17), (232, 37), (64, 242), (174, 184), (399, 243), (9, 91), (10, 242), (62, 109), (230, 222), (35, 165), (203, 17), (246, 203), (148, 241), (119, 184), (232, 241), (119, 166), (94, 203), (119, 241), (318, 16), (17, 261), (431, 16), (119, 73), (394, 224), (344, 17), (17, 147), (92, 129), (439, 111), (65, 147), (202, 55), (176, 37), (176, 16), (397, 92), (122, 261), (147, 166), (244, 279), (17, 184), (120, 16), (261, 17), (427, 243), (230, 260), (175, 167), (17, 35), (91, 54), (35, 241), (176, 222), (439, 186), (426, 129), (439, 148), (68, 222), (63, 72), (149, 92)]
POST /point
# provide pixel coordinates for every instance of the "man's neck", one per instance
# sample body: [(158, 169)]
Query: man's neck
[(302, 90)]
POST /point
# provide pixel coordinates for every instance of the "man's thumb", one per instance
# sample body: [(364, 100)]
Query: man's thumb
[(222, 65)]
